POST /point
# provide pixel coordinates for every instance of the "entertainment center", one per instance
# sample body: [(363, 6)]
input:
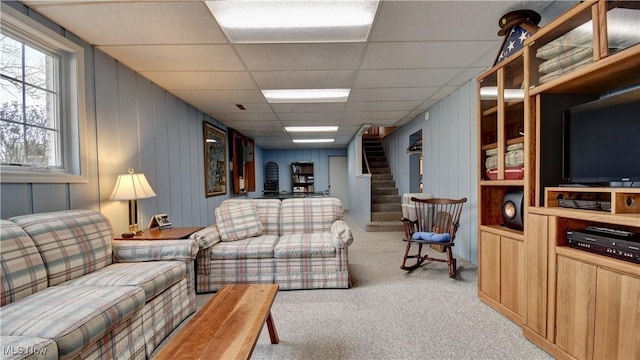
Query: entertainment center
[(571, 277)]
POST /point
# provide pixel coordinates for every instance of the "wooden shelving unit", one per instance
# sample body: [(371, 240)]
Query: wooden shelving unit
[(501, 249), (573, 303), (302, 177)]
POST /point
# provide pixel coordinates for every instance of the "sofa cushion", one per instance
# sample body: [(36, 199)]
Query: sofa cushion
[(269, 215), (72, 243), (73, 316), (23, 271), (24, 347), (305, 246), (251, 248), (154, 277), (238, 220), (309, 215)]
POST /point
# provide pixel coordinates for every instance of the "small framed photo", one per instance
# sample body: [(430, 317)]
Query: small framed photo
[(159, 221)]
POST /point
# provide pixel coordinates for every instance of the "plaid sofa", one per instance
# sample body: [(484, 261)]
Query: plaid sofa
[(297, 243), (69, 291)]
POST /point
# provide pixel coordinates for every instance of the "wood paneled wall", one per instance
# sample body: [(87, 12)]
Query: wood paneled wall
[(449, 148)]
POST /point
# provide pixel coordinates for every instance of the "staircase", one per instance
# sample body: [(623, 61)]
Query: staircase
[(386, 211)]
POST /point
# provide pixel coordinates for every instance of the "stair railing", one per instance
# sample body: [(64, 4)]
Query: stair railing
[(366, 160)]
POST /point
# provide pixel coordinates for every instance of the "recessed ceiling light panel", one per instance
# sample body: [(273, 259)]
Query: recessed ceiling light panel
[(311, 128), (288, 96), (312, 141), (290, 21)]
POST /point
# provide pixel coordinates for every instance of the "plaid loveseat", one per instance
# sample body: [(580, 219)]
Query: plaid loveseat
[(70, 291), (297, 243)]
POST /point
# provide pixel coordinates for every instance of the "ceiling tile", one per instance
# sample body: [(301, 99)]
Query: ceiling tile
[(222, 96), (201, 80), (443, 20), (120, 23), (303, 79), (404, 78), (310, 116), (231, 108), (443, 92), (352, 118), (339, 56), (392, 94), (382, 105), (417, 55), (465, 76), (246, 116), (176, 57)]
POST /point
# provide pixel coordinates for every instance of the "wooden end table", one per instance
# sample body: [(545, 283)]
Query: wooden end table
[(227, 327), (172, 233)]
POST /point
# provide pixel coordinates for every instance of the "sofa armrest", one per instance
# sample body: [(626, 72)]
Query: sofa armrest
[(140, 250), (341, 235), (206, 237)]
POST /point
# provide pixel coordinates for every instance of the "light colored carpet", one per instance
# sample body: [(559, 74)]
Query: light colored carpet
[(391, 314)]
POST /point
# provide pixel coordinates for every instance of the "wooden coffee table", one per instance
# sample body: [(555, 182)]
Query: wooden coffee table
[(227, 327)]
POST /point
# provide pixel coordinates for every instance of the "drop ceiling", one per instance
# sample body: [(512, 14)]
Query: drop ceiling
[(417, 53)]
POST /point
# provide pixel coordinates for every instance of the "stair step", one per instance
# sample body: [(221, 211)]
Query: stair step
[(382, 177), (384, 184), (373, 148), (380, 170), (383, 191), (385, 199), (378, 165), (386, 208), (386, 216), (385, 226)]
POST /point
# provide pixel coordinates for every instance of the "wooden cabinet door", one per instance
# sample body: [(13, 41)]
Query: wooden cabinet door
[(490, 265), (575, 307), (512, 274), (617, 320), (536, 265)]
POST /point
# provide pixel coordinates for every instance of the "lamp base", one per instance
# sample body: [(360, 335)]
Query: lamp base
[(128, 235)]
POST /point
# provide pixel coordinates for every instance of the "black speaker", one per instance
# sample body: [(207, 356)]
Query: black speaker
[(512, 210)]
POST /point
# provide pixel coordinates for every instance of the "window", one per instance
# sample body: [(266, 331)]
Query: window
[(41, 103)]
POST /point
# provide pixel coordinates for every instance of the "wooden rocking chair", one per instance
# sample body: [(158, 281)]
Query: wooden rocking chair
[(436, 222)]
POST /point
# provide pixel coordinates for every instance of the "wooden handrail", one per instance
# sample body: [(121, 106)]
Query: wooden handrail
[(366, 160)]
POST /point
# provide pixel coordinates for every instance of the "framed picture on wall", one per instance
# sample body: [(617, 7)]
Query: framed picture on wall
[(215, 160)]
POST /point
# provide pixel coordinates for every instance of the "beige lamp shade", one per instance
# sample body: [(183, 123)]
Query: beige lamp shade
[(132, 187)]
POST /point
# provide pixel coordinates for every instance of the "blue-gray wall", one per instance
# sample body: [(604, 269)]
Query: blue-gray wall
[(131, 122), (449, 153), (359, 186), (284, 158)]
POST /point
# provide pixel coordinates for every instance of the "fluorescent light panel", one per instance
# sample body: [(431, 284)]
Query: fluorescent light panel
[(294, 21), (288, 96), (312, 141), (311, 128)]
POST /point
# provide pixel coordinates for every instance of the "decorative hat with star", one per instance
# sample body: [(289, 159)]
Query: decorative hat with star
[(516, 26)]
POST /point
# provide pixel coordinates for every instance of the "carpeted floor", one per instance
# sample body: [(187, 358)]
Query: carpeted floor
[(392, 314)]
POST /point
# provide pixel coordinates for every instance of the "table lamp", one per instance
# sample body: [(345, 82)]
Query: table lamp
[(132, 187)]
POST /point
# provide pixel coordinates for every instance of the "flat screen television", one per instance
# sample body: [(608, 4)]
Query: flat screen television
[(601, 141)]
